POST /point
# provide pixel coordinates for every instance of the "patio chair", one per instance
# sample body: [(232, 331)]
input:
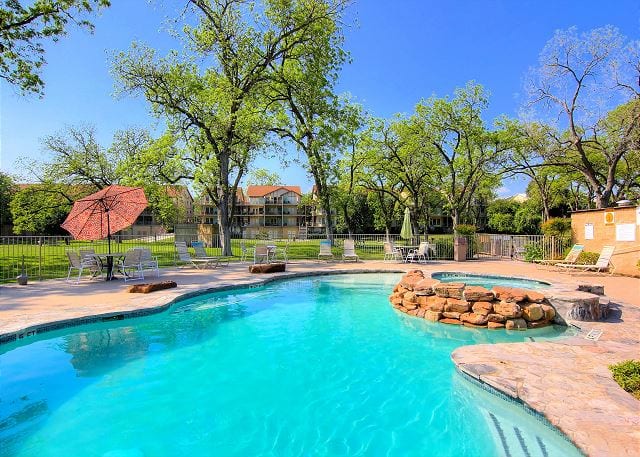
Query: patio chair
[(603, 262), (349, 251), (184, 256), (284, 253), (422, 253), (130, 266), (391, 252), (325, 250), (571, 258), (198, 247), (81, 264), (261, 253), (148, 261), (243, 251), (87, 252)]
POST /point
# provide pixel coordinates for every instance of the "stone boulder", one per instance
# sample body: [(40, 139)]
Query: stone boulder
[(535, 297), (268, 267), (549, 312), (456, 305), (425, 286), (410, 296), (495, 325), (509, 294), (496, 318), (432, 316), (411, 278), (436, 304), (409, 304), (449, 289), (516, 324), (477, 293), (473, 318), (451, 315), (482, 307), (450, 321), (507, 309), (532, 312)]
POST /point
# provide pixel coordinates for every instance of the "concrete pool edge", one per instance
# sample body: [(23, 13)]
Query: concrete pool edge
[(163, 302)]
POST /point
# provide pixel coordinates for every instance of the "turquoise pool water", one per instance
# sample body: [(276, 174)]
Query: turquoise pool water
[(489, 281), (310, 367)]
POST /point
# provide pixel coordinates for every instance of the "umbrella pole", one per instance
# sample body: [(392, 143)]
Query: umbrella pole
[(109, 258)]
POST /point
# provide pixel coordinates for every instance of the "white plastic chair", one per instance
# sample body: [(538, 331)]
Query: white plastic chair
[(349, 251), (184, 256), (391, 252), (87, 263), (148, 261), (421, 253), (130, 266), (325, 250), (260, 253)]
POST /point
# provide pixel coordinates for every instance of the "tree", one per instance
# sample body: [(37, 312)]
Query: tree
[(501, 214), (574, 83), (313, 117), (218, 111), (263, 177), (78, 165), (7, 190), (462, 156), (24, 27)]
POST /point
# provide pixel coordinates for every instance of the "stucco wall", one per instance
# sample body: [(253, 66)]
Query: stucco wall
[(608, 233)]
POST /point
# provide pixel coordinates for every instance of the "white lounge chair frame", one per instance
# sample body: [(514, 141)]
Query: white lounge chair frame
[(261, 253), (325, 250), (349, 251), (184, 256), (148, 261), (198, 247), (603, 262), (571, 258)]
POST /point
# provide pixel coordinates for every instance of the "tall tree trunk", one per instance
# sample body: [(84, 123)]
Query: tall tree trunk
[(224, 216)]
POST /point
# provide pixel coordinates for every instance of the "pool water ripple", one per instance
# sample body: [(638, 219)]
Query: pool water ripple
[(315, 366)]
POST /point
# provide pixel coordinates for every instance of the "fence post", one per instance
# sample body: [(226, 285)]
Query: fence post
[(40, 259)]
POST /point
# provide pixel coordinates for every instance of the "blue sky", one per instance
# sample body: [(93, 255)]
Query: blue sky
[(402, 51)]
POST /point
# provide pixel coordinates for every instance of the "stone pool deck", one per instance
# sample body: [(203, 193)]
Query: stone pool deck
[(566, 380)]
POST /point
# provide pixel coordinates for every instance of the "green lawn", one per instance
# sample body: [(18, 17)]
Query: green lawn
[(49, 260)]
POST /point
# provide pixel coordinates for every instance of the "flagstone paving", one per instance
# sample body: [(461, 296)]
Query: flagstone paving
[(566, 380)]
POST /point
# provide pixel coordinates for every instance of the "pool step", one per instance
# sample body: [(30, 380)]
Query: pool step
[(514, 441)]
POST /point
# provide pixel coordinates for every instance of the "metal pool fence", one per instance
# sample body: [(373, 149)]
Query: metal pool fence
[(45, 256)]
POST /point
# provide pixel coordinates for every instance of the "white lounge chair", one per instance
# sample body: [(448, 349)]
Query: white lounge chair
[(603, 262), (76, 262), (349, 251), (184, 256), (391, 252), (198, 247), (571, 258), (325, 250)]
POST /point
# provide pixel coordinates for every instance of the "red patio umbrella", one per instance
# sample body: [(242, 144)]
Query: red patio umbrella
[(105, 212)]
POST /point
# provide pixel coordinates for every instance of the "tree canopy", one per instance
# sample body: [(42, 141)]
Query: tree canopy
[(25, 25)]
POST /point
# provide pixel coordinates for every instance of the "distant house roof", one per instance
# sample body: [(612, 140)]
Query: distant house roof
[(261, 191)]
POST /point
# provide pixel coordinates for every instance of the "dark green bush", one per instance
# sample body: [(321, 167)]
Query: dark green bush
[(465, 229), (559, 226), (588, 258), (533, 251), (627, 375)]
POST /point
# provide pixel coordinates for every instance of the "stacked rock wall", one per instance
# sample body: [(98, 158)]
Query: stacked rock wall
[(471, 306)]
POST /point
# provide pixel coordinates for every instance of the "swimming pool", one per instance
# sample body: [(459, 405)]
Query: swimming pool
[(489, 281), (312, 366)]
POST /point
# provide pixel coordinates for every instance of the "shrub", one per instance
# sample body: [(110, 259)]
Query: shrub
[(588, 258), (559, 226), (465, 229), (627, 375), (533, 251)]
